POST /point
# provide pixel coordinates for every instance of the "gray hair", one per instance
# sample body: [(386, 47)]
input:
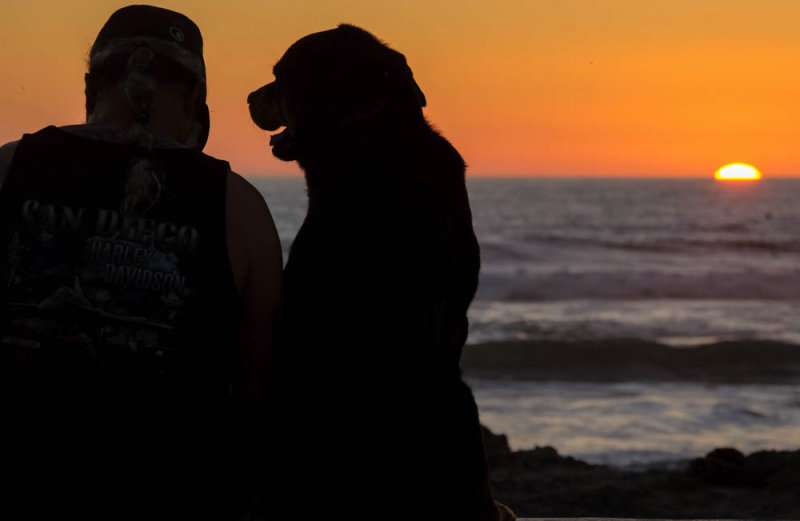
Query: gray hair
[(144, 182)]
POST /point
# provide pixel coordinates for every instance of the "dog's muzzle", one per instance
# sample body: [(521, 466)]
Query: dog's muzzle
[(264, 108)]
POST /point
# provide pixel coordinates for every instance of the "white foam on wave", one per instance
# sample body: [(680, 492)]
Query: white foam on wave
[(671, 321)]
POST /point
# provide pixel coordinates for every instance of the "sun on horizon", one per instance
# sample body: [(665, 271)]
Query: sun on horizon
[(737, 172)]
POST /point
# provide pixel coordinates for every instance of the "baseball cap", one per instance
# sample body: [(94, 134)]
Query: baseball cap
[(169, 33)]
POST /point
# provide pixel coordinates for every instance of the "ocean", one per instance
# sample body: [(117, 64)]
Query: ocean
[(681, 262)]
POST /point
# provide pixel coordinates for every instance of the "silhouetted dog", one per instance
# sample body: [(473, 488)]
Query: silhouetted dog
[(377, 286)]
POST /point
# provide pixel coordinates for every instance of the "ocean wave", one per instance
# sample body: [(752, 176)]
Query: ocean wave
[(671, 322), (632, 360), (771, 283), (640, 242)]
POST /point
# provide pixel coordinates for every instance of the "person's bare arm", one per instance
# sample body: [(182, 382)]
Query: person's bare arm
[(255, 256), (6, 156)]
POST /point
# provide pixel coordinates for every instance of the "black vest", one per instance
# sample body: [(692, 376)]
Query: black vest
[(103, 309)]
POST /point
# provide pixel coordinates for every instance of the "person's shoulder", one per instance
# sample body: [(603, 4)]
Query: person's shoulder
[(7, 151), (243, 192), (6, 156), (254, 248), (249, 218)]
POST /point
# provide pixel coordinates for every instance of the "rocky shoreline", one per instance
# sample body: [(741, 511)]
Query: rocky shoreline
[(723, 484)]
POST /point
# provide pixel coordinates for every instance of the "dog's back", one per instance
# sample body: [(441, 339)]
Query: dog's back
[(391, 266), (377, 292)]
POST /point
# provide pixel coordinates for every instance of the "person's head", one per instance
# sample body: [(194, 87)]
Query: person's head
[(147, 62)]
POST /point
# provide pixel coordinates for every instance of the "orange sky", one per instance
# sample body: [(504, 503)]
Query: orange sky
[(520, 87)]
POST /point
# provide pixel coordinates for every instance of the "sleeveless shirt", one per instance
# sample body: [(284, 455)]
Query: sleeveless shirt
[(107, 310)]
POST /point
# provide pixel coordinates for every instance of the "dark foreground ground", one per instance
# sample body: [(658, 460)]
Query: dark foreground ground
[(723, 484)]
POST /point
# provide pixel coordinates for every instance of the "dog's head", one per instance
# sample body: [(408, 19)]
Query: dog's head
[(330, 82)]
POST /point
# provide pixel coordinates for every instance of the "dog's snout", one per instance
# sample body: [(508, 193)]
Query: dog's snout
[(264, 108), (266, 90)]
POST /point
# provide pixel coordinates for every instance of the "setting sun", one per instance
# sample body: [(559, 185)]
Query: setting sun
[(738, 171)]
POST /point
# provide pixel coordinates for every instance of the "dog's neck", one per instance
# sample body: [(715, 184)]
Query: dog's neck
[(410, 170)]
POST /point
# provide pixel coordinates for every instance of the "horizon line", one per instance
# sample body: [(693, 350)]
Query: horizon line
[(551, 176)]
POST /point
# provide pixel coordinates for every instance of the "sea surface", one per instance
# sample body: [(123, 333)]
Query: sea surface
[(683, 262)]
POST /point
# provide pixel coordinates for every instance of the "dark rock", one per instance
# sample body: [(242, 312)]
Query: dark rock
[(723, 485), (496, 447), (724, 467), (548, 456), (779, 470)]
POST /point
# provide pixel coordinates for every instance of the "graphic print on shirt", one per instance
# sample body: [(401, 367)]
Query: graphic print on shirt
[(100, 284)]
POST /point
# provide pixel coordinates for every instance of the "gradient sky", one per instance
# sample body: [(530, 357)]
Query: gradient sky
[(536, 87)]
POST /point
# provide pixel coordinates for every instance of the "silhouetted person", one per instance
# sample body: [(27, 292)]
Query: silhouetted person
[(378, 423), (139, 278)]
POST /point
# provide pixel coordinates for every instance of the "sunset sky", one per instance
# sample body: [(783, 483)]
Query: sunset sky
[(536, 87)]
